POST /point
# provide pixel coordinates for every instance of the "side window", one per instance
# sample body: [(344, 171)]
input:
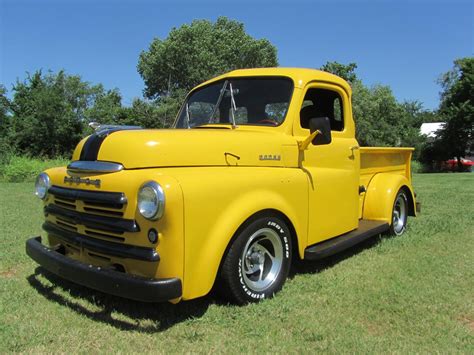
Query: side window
[(322, 103)]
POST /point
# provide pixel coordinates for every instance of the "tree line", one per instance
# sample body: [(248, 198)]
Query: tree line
[(48, 113)]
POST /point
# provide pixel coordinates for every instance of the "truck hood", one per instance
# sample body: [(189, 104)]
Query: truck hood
[(196, 147)]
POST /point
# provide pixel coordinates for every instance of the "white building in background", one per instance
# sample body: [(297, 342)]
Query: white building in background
[(430, 129)]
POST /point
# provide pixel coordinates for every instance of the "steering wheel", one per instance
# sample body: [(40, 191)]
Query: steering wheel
[(269, 121)]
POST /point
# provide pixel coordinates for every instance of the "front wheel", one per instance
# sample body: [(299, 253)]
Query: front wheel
[(258, 261), (399, 214)]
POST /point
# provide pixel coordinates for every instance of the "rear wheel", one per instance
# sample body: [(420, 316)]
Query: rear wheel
[(399, 213), (257, 263)]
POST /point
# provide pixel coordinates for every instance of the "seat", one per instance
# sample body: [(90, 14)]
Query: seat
[(306, 114), (312, 111)]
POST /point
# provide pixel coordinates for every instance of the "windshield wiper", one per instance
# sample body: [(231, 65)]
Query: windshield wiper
[(233, 108)]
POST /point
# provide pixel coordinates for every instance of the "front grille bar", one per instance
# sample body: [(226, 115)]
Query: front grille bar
[(89, 196), (110, 224), (102, 246)]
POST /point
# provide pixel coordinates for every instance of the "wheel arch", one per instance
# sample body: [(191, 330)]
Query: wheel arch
[(217, 253), (380, 195), (268, 212)]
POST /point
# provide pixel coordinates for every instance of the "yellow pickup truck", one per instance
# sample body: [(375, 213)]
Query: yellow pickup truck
[(261, 167)]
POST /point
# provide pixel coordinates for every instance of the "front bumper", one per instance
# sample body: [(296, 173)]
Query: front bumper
[(105, 280)]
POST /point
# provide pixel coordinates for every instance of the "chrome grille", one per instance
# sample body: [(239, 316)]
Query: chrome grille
[(95, 202), (96, 214)]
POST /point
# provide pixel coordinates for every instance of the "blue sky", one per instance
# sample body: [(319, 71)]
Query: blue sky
[(403, 44)]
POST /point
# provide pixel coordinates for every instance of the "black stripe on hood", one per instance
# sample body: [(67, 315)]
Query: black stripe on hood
[(90, 149)]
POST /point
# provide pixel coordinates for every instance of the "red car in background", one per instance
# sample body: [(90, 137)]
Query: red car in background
[(452, 165)]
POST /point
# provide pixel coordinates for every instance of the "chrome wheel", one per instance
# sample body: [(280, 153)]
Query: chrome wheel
[(258, 261), (399, 218), (262, 259)]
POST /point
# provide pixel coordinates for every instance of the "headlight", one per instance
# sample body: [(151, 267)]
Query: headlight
[(42, 185), (151, 200)]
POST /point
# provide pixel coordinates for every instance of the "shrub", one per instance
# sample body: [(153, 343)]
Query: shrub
[(417, 167), (21, 168)]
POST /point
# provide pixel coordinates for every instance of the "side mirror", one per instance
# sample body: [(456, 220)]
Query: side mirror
[(322, 124)]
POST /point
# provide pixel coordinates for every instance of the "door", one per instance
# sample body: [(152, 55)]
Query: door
[(332, 169)]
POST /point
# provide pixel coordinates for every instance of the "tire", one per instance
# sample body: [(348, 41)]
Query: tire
[(258, 261), (399, 214)]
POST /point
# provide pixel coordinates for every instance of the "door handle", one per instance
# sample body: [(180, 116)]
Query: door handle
[(353, 148)]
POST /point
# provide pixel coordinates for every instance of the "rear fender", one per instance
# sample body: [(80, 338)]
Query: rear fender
[(380, 196)]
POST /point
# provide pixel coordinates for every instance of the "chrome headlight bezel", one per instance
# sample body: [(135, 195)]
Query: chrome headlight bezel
[(152, 206), (42, 185)]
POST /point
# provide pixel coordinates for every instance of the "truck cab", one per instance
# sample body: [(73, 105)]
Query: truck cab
[(261, 167)]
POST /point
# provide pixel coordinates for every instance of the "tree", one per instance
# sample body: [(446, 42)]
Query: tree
[(45, 114), (345, 71), (4, 105), (4, 110), (197, 52), (151, 113), (106, 108), (159, 113), (457, 108), (49, 112), (5, 149)]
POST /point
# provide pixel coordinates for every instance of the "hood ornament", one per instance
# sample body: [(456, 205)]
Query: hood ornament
[(99, 128)]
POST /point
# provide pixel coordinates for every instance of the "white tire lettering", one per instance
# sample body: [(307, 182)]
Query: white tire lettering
[(277, 226)]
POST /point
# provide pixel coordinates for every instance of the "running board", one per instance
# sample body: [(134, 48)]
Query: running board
[(367, 228)]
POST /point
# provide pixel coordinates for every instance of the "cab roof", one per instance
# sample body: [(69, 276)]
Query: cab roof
[(300, 76)]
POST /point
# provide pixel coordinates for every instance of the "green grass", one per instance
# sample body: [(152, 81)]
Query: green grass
[(413, 293)]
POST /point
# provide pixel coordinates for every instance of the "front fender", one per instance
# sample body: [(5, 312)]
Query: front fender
[(217, 203), (380, 196)]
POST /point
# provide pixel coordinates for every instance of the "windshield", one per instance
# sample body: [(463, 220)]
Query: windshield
[(245, 101)]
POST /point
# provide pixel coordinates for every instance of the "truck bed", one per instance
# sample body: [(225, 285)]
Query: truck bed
[(374, 160)]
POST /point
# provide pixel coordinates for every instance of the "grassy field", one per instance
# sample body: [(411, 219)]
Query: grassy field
[(414, 293)]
